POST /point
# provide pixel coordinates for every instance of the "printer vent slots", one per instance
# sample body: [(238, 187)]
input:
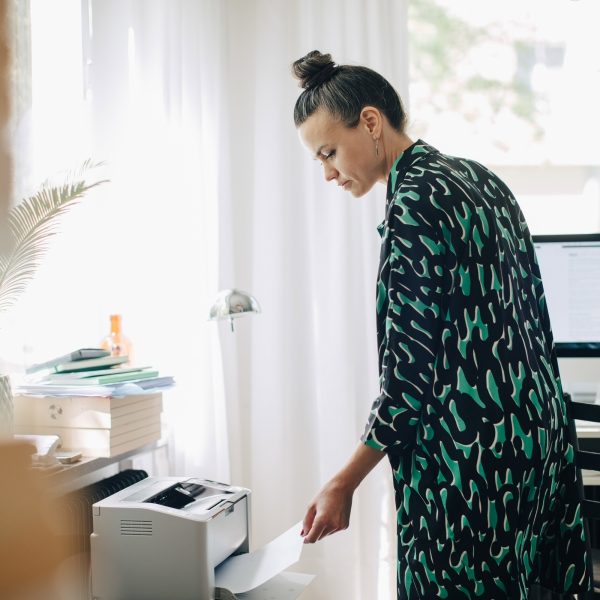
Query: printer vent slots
[(131, 527)]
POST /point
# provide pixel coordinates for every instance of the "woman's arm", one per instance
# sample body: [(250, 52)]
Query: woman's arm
[(330, 510)]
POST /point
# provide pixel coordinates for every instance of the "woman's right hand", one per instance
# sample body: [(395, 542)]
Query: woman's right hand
[(328, 512)]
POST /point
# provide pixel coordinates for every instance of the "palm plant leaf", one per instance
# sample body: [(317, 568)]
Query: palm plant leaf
[(30, 225)]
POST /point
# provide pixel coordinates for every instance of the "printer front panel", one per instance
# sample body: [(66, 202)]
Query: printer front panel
[(140, 554)]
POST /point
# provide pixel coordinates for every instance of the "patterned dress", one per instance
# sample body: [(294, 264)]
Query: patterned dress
[(471, 411)]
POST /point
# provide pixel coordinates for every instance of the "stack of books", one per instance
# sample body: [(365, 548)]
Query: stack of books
[(94, 402), (92, 371), (93, 425)]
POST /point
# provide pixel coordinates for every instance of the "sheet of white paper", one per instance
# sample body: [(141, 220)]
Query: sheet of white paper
[(285, 586), (245, 572)]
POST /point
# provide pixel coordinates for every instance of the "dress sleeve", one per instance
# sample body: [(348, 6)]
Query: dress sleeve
[(411, 293)]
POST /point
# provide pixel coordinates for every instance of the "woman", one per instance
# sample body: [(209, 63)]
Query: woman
[(471, 413)]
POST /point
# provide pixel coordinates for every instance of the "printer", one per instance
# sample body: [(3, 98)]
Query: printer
[(161, 539)]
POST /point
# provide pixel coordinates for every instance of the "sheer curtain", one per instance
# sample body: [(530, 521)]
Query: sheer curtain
[(156, 86), (302, 375)]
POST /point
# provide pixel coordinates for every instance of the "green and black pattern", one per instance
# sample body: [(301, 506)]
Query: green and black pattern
[(471, 411)]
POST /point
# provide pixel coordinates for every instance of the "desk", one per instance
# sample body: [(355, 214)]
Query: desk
[(588, 437), (587, 431)]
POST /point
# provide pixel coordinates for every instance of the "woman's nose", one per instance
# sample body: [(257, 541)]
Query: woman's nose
[(329, 172)]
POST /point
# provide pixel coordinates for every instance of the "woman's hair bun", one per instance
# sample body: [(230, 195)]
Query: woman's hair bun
[(314, 69)]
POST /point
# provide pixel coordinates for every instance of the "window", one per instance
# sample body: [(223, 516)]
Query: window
[(515, 86)]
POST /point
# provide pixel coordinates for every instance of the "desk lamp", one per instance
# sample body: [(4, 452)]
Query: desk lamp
[(230, 304)]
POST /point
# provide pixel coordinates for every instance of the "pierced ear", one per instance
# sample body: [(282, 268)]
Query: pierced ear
[(372, 119)]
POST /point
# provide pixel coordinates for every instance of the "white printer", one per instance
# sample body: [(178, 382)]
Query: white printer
[(161, 539)]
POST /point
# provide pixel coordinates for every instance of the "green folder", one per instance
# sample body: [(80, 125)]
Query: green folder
[(117, 378)]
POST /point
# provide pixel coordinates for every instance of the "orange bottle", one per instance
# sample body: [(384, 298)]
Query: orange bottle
[(116, 343)]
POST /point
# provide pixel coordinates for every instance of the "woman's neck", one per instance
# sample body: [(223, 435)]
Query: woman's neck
[(394, 144)]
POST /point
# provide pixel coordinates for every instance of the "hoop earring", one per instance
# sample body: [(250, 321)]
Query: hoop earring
[(377, 147)]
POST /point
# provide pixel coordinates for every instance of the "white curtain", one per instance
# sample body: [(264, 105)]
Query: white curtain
[(190, 104), (302, 375), (155, 81)]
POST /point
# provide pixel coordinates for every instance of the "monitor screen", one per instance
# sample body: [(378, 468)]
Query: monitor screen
[(570, 266)]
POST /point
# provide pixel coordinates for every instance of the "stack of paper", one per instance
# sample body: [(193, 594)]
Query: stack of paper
[(93, 425)]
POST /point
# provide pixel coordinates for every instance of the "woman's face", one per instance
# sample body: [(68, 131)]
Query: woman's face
[(347, 154)]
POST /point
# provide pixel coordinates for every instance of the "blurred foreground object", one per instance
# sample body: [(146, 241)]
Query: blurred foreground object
[(30, 545)]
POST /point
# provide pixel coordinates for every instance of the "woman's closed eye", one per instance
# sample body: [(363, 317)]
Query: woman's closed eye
[(326, 155)]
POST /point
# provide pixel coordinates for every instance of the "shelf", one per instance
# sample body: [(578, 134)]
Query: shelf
[(88, 470)]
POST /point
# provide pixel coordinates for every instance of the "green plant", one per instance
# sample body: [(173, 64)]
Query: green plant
[(30, 224)]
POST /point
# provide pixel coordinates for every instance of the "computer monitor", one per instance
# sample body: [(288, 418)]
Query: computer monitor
[(570, 266)]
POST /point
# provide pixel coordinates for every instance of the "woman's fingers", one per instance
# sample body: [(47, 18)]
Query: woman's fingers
[(314, 535), (308, 519), (318, 531)]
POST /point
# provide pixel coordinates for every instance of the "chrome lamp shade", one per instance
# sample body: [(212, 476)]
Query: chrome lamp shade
[(231, 304)]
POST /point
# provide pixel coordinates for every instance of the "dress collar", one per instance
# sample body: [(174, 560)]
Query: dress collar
[(402, 164)]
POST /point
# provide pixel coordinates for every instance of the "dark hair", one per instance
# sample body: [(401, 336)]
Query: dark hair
[(343, 90)]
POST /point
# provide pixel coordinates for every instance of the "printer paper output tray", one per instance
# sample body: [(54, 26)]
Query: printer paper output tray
[(285, 586)]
